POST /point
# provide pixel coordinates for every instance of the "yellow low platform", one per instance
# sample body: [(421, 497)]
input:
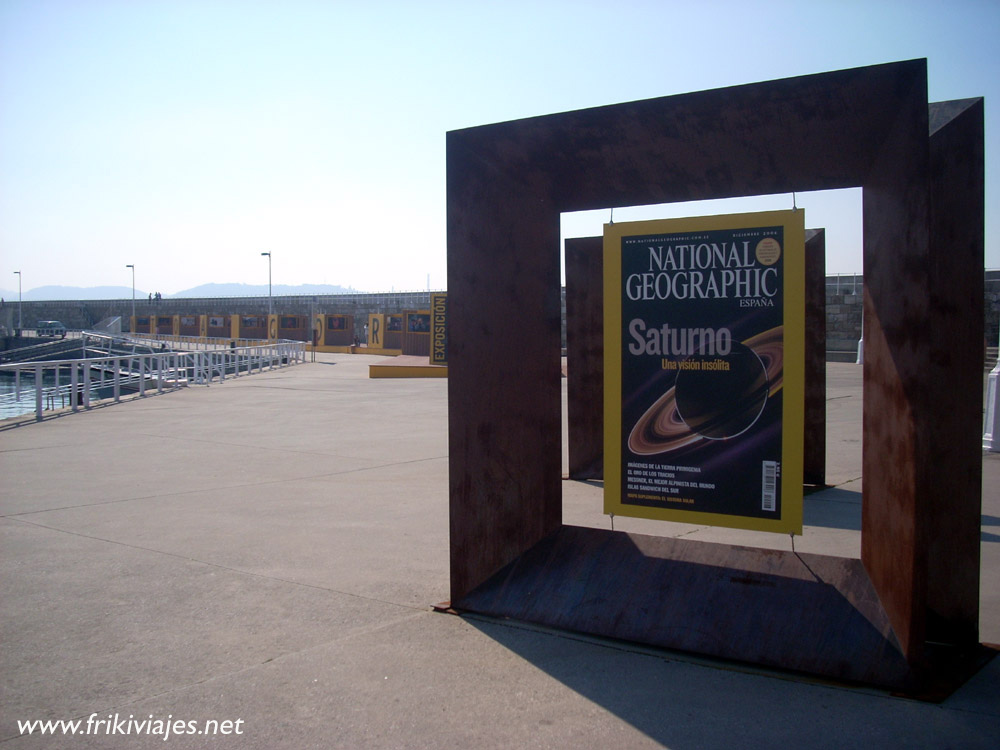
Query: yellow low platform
[(407, 366)]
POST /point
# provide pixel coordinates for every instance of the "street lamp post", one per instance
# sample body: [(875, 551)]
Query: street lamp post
[(270, 306), (132, 322), (20, 323)]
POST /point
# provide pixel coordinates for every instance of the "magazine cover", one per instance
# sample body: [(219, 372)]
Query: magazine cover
[(704, 338)]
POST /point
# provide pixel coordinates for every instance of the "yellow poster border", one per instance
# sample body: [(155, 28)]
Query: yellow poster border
[(793, 378)]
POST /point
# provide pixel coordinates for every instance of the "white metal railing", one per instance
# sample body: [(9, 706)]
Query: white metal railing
[(78, 382), (194, 343), (845, 283), (32, 333)]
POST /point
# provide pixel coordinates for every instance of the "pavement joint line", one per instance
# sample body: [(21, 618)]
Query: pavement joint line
[(846, 481), (218, 566), (692, 531), (286, 480), (233, 673), (38, 448)]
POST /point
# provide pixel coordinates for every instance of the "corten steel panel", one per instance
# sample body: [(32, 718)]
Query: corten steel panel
[(798, 611), (957, 216), (897, 324), (504, 389), (814, 440), (392, 340), (340, 336), (507, 184), (416, 344), (585, 356), (814, 132)]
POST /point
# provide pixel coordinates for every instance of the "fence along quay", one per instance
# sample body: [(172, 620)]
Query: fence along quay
[(115, 365)]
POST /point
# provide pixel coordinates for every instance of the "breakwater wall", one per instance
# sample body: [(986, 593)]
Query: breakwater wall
[(82, 314), (843, 309)]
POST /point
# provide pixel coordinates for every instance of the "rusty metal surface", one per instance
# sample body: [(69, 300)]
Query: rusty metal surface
[(416, 344), (955, 423), (897, 323), (813, 132), (814, 439), (338, 336), (504, 376), (507, 184), (392, 340), (803, 612), (585, 356)]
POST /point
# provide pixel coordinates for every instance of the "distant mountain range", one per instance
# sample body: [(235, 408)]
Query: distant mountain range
[(46, 293)]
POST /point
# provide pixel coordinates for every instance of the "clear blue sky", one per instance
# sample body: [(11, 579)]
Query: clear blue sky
[(188, 136)]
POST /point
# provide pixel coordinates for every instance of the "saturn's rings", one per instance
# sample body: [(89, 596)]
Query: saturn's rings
[(769, 346), (661, 430)]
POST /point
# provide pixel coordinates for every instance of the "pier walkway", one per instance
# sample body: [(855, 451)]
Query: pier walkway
[(265, 552)]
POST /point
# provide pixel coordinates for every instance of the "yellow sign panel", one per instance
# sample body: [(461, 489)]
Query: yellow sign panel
[(439, 329), (376, 330), (704, 332)]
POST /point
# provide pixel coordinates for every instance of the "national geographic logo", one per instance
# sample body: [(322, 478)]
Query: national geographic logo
[(439, 329)]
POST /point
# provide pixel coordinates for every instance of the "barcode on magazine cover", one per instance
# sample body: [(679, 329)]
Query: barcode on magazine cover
[(769, 485)]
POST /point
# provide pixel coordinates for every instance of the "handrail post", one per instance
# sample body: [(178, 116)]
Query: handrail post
[(38, 392), (73, 387)]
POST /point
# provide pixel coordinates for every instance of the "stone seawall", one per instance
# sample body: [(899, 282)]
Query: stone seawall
[(843, 315), (843, 309), (81, 314)]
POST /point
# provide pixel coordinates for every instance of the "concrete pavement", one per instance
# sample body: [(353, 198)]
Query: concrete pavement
[(267, 550)]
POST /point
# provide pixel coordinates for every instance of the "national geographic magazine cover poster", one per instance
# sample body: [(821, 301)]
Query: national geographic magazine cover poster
[(704, 322)]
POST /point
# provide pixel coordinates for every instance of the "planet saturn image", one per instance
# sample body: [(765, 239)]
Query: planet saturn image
[(714, 397)]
